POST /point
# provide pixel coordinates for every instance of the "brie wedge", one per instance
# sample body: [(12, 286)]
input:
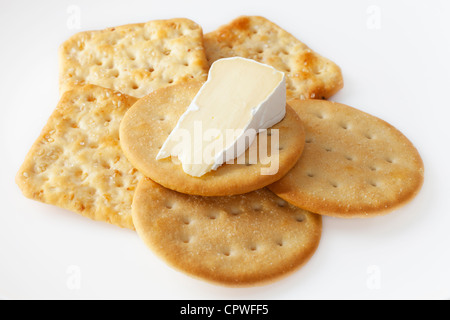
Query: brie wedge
[(240, 97)]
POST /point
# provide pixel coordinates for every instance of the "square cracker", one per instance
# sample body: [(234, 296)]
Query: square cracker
[(134, 59), (308, 75), (77, 163)]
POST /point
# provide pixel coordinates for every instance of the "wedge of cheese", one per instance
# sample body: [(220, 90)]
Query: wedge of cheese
[(240, 97)]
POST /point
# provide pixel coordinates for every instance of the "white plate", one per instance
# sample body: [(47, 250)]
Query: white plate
[(394, 58)]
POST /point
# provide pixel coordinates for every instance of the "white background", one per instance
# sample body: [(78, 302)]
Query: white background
[(395, 60)]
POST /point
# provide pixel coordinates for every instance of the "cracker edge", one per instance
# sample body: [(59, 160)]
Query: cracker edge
[(257, 282), (289, 195), (189, 188), (63, 86), (21, 180), (338, 82)]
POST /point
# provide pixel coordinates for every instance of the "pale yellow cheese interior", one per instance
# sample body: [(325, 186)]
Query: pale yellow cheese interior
[(235, 87)]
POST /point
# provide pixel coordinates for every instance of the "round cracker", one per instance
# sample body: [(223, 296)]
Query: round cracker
[(239, 240), (148, 123), (353, 165)]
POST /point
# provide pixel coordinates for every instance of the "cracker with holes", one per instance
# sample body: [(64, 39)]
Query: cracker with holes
[(134, 59), (77, 163), (240, 240), (308, 74), (149, 122), (353, 165)]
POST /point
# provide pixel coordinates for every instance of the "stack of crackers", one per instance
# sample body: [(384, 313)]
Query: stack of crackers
[(123, 90)]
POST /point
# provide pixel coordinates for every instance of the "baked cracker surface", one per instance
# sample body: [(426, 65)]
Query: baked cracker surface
[(149, 122), (134, 59), (353, 165), (77, 163), (308, 74), (241, 240)]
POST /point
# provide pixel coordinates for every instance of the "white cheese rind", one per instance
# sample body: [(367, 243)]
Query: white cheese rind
[(266, 114)]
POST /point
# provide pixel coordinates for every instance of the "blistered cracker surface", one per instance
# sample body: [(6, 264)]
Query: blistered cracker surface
[(149, 122), (241, 240), (353, 165), (308, 75), (134, 59), (77, 163)]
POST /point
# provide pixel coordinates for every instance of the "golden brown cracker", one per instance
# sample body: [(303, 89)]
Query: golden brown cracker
[(77, 163), (308, 75), (134, 59), (149, 122), (353, 165), (241, 240)]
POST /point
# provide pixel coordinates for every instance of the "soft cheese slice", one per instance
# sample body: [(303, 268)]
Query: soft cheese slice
[(240, 97)]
